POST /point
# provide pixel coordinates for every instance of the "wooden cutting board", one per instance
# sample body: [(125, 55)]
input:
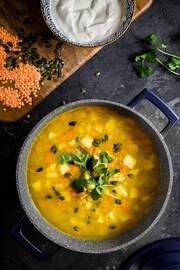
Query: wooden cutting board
[(16, 15)]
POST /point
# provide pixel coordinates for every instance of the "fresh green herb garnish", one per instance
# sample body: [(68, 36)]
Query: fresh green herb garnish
[(152, 56), (152, 39), (97, 175), (79, 184), (96, 194), (105, 158)]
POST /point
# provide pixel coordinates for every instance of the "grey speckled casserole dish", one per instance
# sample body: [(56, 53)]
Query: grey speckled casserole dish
[(159, 205)]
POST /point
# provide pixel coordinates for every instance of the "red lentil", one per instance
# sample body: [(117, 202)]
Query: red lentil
[(19, 85)]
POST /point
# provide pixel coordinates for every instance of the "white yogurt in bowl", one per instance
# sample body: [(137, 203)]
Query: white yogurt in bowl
[(86, 21)]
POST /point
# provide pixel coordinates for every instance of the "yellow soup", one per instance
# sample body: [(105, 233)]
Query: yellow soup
[(93, 173)]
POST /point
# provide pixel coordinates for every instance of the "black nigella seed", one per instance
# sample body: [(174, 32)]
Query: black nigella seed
[(57, 193), (72, 123), (131, 176), (89, 220), (62, 198), (76, 209), (77, 139), (112, 227), (39, 169), (76, 228), (116, 147), (81, 149), (67, 175), (114, 191), (118, 201), (106, 137), (48, 197), (96, 142), (114, 183), (53, 149)]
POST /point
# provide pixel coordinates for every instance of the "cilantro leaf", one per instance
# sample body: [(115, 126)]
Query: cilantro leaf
[(91, 181), (79, 184), (96, 194), (152, 39), (176, 61), (113, 172), (151, 57), (101, 169), (65, 158), (171, 65), (87, 163), (162, 46), (105, 158), (91, 163), (144, 71), (140, 57), (75, 158)]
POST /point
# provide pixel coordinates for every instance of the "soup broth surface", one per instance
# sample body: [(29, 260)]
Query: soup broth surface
[(93, 173)]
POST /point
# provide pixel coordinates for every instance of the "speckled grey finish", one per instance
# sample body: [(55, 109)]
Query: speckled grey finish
[(122, 240), (129, 12), (118, 82)]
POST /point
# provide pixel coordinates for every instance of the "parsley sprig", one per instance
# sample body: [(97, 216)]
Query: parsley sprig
[(152, 56), (97, 174)]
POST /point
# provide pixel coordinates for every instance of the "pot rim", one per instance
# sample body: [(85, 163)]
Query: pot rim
[(44, 226)]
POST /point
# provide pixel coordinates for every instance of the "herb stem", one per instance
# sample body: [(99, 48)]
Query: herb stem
[(176, 73), (108, 185), (169, 54), (86, 171)]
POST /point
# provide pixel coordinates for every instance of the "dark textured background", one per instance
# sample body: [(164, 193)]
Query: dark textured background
[(118, 82)]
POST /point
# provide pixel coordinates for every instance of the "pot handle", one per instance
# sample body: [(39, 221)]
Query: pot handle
[(172, 117), (17, 232)]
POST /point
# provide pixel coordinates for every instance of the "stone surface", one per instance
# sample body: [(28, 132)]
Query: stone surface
[(118, 82)]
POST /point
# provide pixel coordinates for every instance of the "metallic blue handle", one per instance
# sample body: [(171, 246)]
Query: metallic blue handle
[(17, 232), (172, 117)]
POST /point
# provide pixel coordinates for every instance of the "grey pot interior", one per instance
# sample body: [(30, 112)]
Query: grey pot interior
[(124, 239)]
